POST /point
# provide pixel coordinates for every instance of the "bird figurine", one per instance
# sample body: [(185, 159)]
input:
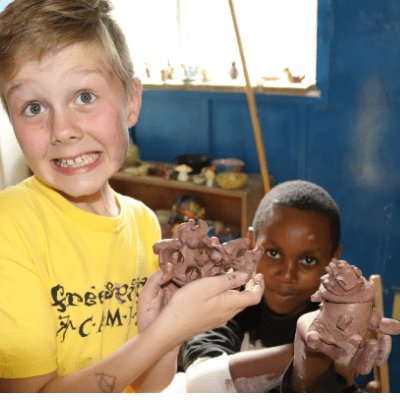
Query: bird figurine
[(291, 78), (147, 70), (205, 78), (234, 73)]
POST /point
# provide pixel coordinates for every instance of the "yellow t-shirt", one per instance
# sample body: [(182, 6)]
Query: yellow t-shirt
[(69, 279)]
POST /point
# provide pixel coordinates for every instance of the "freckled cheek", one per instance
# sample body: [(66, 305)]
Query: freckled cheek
[(33, 141), (108, 128)]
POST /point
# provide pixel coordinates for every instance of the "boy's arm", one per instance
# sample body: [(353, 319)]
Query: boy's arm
[(309, 366), (259, 370), (152, 300), (197, 307), (158, 376), (112, 374), (254, 371)]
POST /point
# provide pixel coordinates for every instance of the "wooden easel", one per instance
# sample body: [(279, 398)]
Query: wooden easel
[(253, 108)]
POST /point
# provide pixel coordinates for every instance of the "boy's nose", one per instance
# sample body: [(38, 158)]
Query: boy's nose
[(64, 128), (289, 272)]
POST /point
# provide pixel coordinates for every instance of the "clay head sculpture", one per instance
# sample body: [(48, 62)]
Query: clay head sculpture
[(346, 313), (194, 255)]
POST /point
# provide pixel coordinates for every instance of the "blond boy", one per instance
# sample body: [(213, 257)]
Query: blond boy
[(74, 254)]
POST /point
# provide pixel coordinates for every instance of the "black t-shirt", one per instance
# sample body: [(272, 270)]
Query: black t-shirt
[(266, 326), (261, 323)]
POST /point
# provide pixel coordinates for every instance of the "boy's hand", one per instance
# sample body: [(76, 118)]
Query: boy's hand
[(208, 303), (154, 296), (359, 360)]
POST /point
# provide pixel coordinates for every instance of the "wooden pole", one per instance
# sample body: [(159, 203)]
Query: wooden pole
[(253, 108), (381, 374)]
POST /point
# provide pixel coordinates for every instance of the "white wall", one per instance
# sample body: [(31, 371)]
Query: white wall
[(13, 165)]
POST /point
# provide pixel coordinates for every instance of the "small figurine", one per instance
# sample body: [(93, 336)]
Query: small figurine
[(185, 208), (210, 176), (194, 255), (185, 71), (291, 78), (147, 70), (184, 171), (204, 73), (189, 73), (234, 73), (170, 71), (164, 75)]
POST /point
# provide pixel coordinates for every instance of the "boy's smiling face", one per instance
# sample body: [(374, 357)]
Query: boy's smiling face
[(298, 247), (71, 118)]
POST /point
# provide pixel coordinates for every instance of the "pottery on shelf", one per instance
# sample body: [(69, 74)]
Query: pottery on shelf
[(183, 172), (231, 180)]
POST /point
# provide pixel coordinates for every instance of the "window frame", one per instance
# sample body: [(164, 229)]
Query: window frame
[(318, 95)]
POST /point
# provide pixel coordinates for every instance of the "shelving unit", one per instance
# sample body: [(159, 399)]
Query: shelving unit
[(232, 207)]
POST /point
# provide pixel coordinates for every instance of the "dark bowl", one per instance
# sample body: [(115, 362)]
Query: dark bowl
[(196, 161)]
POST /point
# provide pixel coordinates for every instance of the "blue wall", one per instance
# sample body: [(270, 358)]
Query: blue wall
[(350, 145)]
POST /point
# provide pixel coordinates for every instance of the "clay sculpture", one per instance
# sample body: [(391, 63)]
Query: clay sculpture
[(194, 255), (346, 313)]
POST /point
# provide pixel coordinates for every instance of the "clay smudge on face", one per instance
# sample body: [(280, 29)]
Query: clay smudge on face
[(194, 255)]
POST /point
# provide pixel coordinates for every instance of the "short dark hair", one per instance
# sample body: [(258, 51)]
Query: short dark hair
[(302, 195)]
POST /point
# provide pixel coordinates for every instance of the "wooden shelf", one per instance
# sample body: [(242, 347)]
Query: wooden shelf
[(232, 207), (288, 89)]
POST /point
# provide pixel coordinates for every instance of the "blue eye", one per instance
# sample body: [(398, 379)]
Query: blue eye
[(33, 109), (272, 253), (86, 98)]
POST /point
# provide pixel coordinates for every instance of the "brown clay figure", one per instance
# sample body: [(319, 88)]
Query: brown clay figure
[(194, 255), (337, 332), (293, 79), (346, 314)]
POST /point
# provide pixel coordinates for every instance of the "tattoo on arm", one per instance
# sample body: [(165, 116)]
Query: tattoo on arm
[(106, 382)]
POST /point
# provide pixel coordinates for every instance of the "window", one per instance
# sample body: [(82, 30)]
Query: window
[(186, 37)]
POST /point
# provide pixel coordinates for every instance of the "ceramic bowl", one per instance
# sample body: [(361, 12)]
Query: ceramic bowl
[(228, 165), (231, 180)]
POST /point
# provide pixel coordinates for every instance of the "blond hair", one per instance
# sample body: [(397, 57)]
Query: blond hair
[(31, 29)]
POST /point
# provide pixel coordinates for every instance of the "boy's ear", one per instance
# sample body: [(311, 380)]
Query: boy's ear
[(135, 102), (338, 252), (250, 235)]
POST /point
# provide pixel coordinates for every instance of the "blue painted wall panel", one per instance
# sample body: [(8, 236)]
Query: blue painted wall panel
[(169, 127)]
